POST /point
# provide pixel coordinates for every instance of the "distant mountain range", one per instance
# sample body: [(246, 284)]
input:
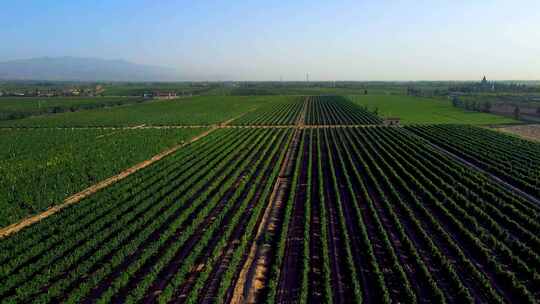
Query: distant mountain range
[(83, 69)]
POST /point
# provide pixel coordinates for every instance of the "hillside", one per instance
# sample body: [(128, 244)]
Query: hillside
[(83, 69)]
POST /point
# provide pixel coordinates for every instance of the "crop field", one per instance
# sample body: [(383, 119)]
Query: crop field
[(337, 110), (164, 229), (185, 111), (16, 108), (319, 110), (421, 110), (376, 215), (285, 199), (39, 168), (282, 111), (511, 159)]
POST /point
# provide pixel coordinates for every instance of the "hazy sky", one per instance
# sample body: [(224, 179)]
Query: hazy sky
[(263, 40)]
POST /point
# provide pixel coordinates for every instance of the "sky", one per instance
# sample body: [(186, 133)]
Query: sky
[(266, 40)]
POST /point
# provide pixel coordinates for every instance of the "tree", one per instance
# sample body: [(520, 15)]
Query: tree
[(475, 106), (456, 102), (487, 106), (517, 112)]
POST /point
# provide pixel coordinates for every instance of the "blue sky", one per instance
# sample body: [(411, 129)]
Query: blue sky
[(263, 40)]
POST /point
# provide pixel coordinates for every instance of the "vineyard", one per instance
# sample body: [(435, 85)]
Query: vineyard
[(69, 160), (200, 110), (211, 192), (16, 108), (513, 160), (319, 110), (296, 200), (337, 110), (274, 114), (376, 215)]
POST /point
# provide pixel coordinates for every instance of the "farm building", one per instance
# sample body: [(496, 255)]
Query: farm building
[(391, 121), (164, 95)]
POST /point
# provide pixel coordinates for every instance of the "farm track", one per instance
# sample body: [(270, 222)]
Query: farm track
[(152, 178), (492, 176), (218, 126), (288, 213), (461, 186), (237, 231), (376, 196), (254, 273), (76, 198), (444, 238), (415, 239), (458, 235), (195, 235), (214, 279), (111, 231), (516, 232)]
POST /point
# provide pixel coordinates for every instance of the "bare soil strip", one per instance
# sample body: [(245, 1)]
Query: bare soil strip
[(76, 198), (530, 132), (117, 131), (255, 266), (494, 178), (144, 127), (253, 276)]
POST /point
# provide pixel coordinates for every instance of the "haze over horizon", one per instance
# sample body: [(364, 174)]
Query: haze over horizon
[(251, 40)]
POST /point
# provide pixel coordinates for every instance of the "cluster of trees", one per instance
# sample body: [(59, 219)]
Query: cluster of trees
[(423, 92), (472, 105), (486, 106), (494, 87)]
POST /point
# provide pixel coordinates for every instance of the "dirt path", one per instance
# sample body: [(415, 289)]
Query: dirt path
[(144, 127), (253, 276), (494, 178), (120, 130), (530, 132), (13, 228), (75, 198)]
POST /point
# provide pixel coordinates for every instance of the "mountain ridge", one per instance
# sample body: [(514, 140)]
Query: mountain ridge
[(69, 68)]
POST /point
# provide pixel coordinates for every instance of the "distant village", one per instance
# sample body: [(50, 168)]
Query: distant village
[(54, 92)]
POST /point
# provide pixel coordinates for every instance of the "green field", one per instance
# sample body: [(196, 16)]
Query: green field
[(20, 107), (138, 89), (336, 210), (39, 168), (418, 110), (315, 90), (201, 110)]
